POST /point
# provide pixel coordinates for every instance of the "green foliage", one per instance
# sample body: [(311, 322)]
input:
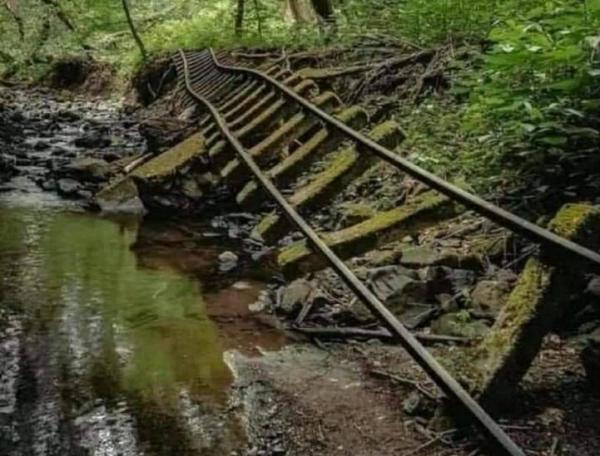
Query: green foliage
[(536, 97)]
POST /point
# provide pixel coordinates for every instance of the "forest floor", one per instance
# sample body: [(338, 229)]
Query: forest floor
[(343, 395)]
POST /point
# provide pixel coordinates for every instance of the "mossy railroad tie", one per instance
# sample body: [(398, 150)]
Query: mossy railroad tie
[(347, 163), (220, 152), (173, 160), (249, 92), (302, 158), (410, 218), (248, 107), (531, 311), (155, 171), (240, 98), (289, 131)]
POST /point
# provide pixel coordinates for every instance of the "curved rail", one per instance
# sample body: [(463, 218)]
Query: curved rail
[(514, 223), (451, 388)]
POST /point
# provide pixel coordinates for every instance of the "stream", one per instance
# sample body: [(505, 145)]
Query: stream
[(109, 350)]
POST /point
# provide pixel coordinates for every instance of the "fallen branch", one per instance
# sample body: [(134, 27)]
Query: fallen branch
[(404, 381), (324, 73), (375, 334)]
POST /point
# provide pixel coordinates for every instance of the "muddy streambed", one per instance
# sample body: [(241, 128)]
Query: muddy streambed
[(106, 350)]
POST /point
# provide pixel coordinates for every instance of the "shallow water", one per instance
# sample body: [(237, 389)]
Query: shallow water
[(104, 351)]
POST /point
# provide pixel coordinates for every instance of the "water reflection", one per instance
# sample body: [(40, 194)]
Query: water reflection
[(99, 354)]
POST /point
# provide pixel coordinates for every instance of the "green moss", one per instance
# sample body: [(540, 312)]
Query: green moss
[(531, 310), (167, 163), (339, 166), (424, 203), (293, 253), (381, 228), (389, 134), (354, 114), (520, 308), (574, 219), (247, 192), (266, 224)]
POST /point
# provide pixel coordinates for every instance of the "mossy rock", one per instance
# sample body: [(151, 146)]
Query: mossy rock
[(460, 324)]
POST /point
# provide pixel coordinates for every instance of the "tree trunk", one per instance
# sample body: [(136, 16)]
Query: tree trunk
[(258, 18), (134, 32), (239, 18), (12, 7), (324, 8), (60, 13), (301, 11)]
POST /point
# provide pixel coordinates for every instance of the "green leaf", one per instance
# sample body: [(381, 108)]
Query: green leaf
[(552, 140)]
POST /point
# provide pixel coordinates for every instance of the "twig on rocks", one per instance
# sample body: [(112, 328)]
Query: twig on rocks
[(375, 334), (405, 381)]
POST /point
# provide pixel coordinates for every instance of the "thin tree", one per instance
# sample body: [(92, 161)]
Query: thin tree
[(60, 13), (239, 18), (12, 7), (258, 18), (134, 32)]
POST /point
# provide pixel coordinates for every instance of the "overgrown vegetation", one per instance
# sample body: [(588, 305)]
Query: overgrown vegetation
[(523, 109)]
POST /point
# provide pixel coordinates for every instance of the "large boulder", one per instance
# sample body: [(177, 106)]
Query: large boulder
[(88, 169), (489, 296), (399, 288)]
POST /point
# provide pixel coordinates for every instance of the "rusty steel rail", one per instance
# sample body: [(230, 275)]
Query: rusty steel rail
[(501, 442), (512, 222)]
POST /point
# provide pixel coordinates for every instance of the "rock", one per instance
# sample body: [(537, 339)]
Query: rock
[(397, 287), (120, 197), (92, 169), (460, 279), (490, 295), (420, 257), (292, 298), (164, 132), (228, 261), (61, 151), (48, 185), (460, 324), (85, 194), (41, 145), (590, 358), (191, 189), (7, 166), (354, 213), (92, 139), (263, 302), (241, 285), (68, 116), (412, 404), (447, 302), (68, 187), (593, 287), (552, 417)]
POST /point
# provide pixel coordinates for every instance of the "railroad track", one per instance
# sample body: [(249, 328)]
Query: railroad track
[(250, 116)]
